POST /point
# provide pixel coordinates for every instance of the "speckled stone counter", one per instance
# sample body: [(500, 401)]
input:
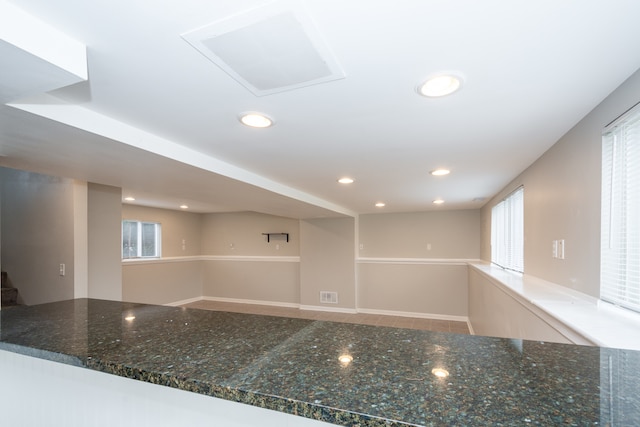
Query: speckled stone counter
[(292, 366)]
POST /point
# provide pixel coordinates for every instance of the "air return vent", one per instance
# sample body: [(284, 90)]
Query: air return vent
[(268, 50), (328, 297)]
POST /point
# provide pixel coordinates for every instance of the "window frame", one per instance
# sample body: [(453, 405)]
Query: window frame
[(507, 232), (157, 240)]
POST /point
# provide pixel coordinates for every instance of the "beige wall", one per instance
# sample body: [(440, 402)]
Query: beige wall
[(168, 281), (161, 282), (327, 261), (37, 235), (562, 199), (237, 263), (265, 280), (434, 234), (432, 290), (249, 267), (225, 256), (434, 282), (104, 239), (240, 233), (181, 231)]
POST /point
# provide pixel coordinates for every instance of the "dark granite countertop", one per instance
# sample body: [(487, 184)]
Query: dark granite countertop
[(291, 365)]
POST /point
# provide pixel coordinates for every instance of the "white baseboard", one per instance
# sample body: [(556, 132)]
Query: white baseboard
[(414, 314), (255, 302), (470, 327), (329, 309), (183, 302)]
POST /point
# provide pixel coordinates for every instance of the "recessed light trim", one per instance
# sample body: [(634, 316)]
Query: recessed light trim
[(440, 172), (380, 205), (184, 206), (441, 84), (438, 202), (346, 180), (256, 120), (130, 199)]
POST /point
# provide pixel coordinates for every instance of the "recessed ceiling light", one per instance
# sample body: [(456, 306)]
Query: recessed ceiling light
[(130, 199), (380, 205), (440, 172), (184, 207), (256, 120), (440, 85), (438, 201), (345, 180)]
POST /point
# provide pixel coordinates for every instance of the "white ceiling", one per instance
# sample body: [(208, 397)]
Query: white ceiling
[(159, 119)]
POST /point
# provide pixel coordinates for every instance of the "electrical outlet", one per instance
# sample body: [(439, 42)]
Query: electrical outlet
[(62, 270), (557, 249), (561, 249)]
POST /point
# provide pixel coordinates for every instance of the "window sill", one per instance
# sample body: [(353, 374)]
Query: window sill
[(140, 260), (599, 322)]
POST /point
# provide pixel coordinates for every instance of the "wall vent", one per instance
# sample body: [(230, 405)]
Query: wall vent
[(328, 297)]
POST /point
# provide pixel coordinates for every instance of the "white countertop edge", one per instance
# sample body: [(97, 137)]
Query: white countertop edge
[(602, 323)]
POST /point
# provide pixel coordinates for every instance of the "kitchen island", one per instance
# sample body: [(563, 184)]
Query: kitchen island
[(338, 373)]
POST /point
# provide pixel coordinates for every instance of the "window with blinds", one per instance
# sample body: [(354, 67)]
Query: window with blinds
[(620, 228), (507, 232)]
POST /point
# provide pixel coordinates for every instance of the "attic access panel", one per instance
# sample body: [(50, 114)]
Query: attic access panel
[(268, 50)]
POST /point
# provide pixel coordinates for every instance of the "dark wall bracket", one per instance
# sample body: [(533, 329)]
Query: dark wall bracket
[(286, 235)]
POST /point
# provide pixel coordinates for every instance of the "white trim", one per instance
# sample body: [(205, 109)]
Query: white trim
[(511, 284), (329, 309), (253, 302), (581, 318), (251, 258), (163, 260), (470, 326), (426, 261), (414, 315), (183, 302)]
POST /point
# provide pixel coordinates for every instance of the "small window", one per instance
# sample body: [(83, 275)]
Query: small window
[(140, 239), (620, 219), (507, 232)]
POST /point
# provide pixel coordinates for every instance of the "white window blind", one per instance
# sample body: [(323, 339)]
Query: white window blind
[(620, 228), (507, 232)]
